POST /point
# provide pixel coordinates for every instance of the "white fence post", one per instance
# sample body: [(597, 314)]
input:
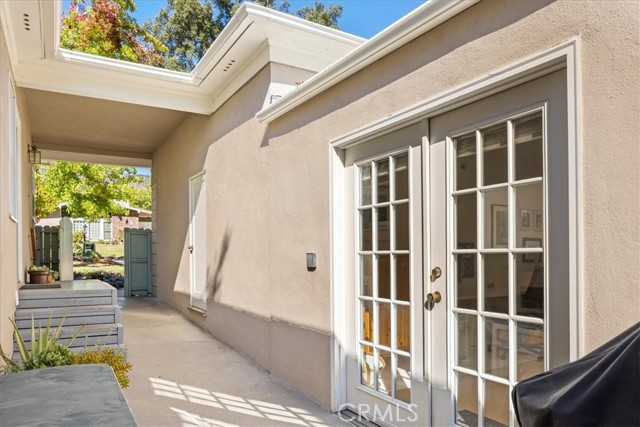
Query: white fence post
[(66, 249)]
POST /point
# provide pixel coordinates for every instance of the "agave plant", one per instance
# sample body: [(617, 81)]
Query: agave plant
[(45, 348)]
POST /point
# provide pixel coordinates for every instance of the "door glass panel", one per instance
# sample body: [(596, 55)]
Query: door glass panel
[(467, 350), (402, 227), (402, 277), (366, 275), (402, 177), (530, 285), (496, 283), (365, 185), (403, 379), (466, 399), (385, 371), (496, 358), (403, 328), (465, 147), (530, 229), (384, 276), (494, 155), (530, 350), (382, 175), (466, 282), (466, 235), (367, 372), (384, 324), (383, 228), (505, 268), (496, 407), (496, 218), (528, 146), (365, 229), (366, 309)]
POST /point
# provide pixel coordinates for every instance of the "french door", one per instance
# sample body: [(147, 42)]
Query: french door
[(458, 263), (497, 245)]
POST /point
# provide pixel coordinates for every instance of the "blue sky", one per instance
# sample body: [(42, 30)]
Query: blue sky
[(364, 18)]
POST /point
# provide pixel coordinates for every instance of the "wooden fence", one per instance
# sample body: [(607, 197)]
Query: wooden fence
[(48, 247)]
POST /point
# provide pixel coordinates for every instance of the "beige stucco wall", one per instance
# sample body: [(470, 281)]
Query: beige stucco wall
[(268, 187), (9, 229)]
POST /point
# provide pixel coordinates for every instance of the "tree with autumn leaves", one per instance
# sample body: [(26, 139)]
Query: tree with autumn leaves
[(106, 28), (175, 39)]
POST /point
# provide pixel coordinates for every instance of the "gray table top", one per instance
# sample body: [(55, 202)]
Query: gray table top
[(77, 395)]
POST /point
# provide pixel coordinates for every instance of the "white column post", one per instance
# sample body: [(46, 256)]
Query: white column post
[(66, 249)]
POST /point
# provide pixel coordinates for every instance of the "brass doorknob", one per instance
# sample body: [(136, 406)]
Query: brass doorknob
[(434, 297)]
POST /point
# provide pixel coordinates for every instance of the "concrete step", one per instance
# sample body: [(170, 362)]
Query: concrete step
[(81, 315), (70, 294), (90, 335)]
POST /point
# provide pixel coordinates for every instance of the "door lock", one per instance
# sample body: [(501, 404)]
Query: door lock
[(433, 298), (436, 272), (190, 249)]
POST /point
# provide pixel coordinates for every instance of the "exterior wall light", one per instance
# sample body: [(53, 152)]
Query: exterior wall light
[(35, 155)]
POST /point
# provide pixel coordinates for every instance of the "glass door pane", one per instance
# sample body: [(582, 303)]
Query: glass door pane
[(498, 254), (384, 291)]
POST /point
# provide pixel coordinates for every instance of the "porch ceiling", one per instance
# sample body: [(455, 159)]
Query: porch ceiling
[(70, 127)]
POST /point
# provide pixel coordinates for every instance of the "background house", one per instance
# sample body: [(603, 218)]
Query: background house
[(312, 230), (105, 228)]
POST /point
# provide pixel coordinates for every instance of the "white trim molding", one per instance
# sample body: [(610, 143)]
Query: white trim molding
[(562, 56)]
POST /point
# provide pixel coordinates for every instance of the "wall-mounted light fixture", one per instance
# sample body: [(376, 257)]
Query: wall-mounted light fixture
[(35, 155)]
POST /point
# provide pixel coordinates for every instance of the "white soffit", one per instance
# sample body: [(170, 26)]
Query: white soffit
[(254, 37), (413, 25)]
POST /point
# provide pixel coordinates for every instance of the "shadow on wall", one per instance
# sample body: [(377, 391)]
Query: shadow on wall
[(214, 274)]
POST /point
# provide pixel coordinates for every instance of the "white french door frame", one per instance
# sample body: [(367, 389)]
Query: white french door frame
[(564, 55)]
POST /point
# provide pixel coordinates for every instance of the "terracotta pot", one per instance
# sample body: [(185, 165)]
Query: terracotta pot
[(38, 277)]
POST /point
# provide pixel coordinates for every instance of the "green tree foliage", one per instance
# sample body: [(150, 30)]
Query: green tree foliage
[(106, 28), (90, 191), (188, 27), (141, 195)]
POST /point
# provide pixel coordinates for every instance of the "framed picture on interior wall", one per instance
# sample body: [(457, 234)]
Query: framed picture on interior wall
[(525, 219), (466, 268), (537, 220), (499, 226), (532, 242)]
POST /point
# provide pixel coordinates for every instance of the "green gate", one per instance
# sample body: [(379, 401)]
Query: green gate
[(47, 240), (137, 262)]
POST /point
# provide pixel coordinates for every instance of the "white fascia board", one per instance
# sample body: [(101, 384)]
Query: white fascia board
[(75, 79), (70, 154), (402, 32)]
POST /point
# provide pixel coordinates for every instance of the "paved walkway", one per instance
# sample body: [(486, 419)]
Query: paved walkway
[(182, 376)]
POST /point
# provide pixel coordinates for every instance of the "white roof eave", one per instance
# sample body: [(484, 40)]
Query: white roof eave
[(418, 22)]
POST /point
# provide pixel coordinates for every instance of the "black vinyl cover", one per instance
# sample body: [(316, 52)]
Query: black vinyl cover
[(600, 389)]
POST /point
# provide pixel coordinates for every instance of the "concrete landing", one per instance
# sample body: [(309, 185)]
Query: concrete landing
[(182, 376)]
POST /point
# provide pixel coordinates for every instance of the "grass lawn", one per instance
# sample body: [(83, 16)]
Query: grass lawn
[(110, 251), (84, 268)]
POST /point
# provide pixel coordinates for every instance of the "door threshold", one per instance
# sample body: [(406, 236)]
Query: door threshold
[(199, 310), (356, 419)]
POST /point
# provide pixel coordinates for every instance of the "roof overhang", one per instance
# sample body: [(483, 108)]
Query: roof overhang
[(254, 37), (413, 25)]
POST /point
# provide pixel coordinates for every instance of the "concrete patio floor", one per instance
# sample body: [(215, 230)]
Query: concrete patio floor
[(183, 376)]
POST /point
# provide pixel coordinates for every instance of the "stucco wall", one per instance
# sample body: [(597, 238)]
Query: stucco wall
[(268, 187), (488, 37), (10, 280)]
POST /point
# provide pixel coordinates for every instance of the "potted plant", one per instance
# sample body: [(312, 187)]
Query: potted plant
[(38, 274)]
